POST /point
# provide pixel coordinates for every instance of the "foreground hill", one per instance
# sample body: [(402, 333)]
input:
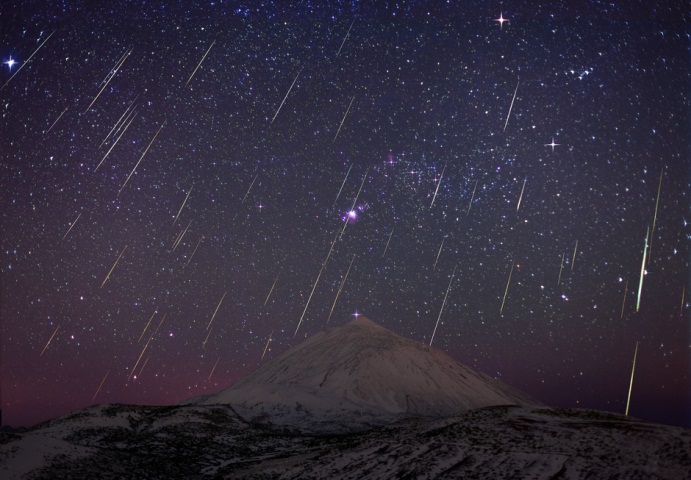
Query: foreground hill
[(123, 442)]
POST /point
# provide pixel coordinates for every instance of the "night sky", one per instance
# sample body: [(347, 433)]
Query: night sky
[(168, 167)]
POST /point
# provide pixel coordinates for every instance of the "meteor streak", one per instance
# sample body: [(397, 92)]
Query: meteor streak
[(640, 283), (470, 204), (314, 287), (248, 190), (183, 205), (142, 157), (116, 141), (139, 359), (442, 305), (272, 288), (266, 347), (50, 340), (109, 77), (215, 312), (633, 368), (623, 302), (213, 369), (180, 235), (100, 386), (147, 325), (284, 98), (56, 121), (573, 259), (521, 196), (118, 124), (657, 202), (338, 293), (113, 267), (561, 268), (507, 289), (681, 309), (27, 60), (345, 38), (438, 253), (342, 185), (343, 120), (387, 244), (71, 226), (200, 63), (195, 250), (438, 184), (511, 107), (345, 223)]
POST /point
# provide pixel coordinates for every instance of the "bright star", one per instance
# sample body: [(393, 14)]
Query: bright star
[(501, 20), (552, 144), (10, 63)]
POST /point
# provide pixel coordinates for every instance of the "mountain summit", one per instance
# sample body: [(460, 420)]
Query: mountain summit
[(359, 375)]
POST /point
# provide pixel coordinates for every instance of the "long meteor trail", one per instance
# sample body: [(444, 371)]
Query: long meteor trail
[(110, 76), (507, 289), (71, 226), (633, 368), (200, 63), (340, 288), (50, 340), (511, 107), (470, 204), (142, 157), (343, 120), (442, 305), (640, 282), (438, 184), (343, 184), (27, 60), (183, 205), (284, 98), (113, 267), (521, 197)]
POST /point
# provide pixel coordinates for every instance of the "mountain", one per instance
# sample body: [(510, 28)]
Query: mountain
[(353, 402), (357, 376)]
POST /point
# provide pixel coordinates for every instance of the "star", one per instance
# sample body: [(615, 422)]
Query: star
[(552, 144), (10, 63), (356, 314), (501, 20)]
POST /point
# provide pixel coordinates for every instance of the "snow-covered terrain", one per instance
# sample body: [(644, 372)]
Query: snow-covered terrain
[(354, 402), (359, 375)]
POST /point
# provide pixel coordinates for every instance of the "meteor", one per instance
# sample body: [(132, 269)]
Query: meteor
[(147, 325), (511, 106), (345, 223), (56, 121), (200, 63), (183, 204), (139, 359), (438, 253), (284, 98), (521, 196), (640, 283), (345, 38), (442, 305), (573, 259), (117, 124), (71, 226), (338, 293), (113, 267), (272, 288), (623, 302), (657, 202), (343, 120), (628, 399), (142, 157), (438, 184), (212, 370), (27, 60), (215, 312), (507, 289), (248, 190), (180, 235), (561, 268), (116, 141), (50, 340), (109, 77), (101, 385), (267, 344), (195, 250), (387, 244), (343, 184), (470, 204)]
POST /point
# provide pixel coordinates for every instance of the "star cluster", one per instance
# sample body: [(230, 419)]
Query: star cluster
[(186, 186)]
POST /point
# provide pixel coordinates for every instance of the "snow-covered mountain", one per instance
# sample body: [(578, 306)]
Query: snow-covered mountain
[(360, 375)]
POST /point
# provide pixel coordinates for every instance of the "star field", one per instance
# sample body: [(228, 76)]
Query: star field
[(183, 184)]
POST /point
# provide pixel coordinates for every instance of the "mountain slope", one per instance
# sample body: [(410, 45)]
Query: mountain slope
[(360, 375)]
